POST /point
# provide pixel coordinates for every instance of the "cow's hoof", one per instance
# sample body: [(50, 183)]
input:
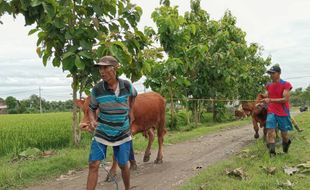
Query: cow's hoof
[(110, 177), (133, 167), (256, 135), (158, 161), (146, 157)]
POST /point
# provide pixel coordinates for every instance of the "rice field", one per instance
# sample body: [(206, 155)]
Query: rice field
[(43, 131)]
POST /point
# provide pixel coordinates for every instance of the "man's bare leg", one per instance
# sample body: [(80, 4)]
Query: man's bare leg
[(125, 175), (93, 175), (285, 141), (271, 141)]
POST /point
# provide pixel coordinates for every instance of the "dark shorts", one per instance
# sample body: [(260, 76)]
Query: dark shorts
[(282, 122), (121, 152)]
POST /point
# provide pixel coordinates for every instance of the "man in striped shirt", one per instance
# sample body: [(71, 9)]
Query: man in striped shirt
[(112, 98)]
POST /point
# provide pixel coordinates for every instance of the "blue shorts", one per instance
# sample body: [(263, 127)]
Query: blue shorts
[(121, 152), (282, 122)]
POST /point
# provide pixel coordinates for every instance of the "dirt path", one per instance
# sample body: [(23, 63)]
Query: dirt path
[(181, 162)]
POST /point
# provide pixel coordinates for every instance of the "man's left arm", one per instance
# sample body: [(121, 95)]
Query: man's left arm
[(284, 99)]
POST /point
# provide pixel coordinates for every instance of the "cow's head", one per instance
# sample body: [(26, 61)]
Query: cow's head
[(247, 107), (83, 104), (260, 107)]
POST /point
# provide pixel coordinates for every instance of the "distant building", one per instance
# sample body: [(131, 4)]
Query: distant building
[(3, 107)]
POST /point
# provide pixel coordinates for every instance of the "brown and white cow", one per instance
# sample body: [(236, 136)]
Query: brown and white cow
[(149, 115), (258, 111)]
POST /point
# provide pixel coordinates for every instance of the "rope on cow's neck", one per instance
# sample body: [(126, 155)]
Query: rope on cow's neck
[(102, 162)]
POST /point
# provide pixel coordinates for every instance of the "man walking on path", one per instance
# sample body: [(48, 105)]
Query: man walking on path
[(277, 98), (113, 97)]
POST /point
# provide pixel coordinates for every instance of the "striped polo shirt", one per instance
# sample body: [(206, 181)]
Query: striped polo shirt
[(113, 119)]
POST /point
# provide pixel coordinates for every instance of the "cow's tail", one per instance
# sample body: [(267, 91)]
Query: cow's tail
[(161, 131)]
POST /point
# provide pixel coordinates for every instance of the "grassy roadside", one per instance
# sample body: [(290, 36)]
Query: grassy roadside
[(253, 159), (23, 173)]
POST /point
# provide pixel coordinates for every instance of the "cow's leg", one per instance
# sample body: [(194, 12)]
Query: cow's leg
[(265, 131), (161, 131), (112, 173), (132, 160), (147, 153), (256, 128)]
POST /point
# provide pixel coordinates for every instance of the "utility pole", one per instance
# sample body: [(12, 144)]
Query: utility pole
[(40, 99)]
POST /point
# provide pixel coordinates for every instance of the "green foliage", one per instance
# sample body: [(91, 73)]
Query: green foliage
[(12, 104), (4, 8), (213, 58), (15, 175), (300, 97), (32, 105), (74, 34)]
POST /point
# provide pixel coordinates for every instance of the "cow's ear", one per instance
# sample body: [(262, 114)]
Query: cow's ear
[(79, 103), (260, 96)]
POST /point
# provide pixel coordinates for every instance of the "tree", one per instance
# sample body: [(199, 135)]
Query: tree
[(12, 104), (32, 105), (74, 34), (220, 59), (214, 59), (253, 76), (300, 96), (166, 76)]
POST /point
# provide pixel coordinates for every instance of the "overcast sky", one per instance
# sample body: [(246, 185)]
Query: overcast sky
[(282, 27)]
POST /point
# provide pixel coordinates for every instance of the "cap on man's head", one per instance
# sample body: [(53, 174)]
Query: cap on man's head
[(107, 60), (274, 69)]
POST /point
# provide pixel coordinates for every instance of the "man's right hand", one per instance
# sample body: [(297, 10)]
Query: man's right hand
[(266, 100), (93, 125)]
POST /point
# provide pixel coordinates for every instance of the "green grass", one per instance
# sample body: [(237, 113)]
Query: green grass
[(252, 161), (44, 131), (21, 173)]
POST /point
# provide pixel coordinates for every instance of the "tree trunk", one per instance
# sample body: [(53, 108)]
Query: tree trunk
[(195, 112), (76, 133), (187, 113), (172, 111), (214, 110), (80, 96), (199, 111)]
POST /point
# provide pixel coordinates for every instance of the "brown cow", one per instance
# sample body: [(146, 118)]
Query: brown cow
[(258, 111), (148, 113), (240, 114), (248, 107)]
